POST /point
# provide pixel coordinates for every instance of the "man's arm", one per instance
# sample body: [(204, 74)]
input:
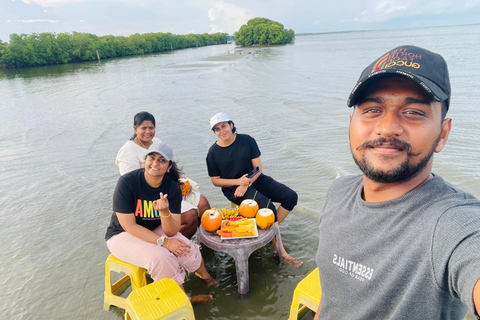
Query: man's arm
[(476, 297)]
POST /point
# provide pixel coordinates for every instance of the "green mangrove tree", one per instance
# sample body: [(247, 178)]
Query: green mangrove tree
[(38, 49), (263, 31)]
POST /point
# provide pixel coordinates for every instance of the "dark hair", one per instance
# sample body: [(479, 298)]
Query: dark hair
[(174, 172), (229, 122), (233, 129), (444, 109), (139, 118)]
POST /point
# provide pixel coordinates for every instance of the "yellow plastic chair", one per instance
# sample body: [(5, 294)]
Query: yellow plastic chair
[(307, 293), (113, 291), (163, 299)]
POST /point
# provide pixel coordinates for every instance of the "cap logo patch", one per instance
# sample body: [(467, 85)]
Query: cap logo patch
[(427, 68), (400, 58)]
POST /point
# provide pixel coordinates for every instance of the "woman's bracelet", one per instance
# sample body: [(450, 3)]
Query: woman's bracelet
[(169, 214), (168, 242)]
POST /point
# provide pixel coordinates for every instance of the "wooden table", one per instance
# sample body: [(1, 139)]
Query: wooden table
[(240, 250)]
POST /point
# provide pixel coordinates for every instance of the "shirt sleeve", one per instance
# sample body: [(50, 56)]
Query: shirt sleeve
[(456, 252), (213, 170), (123, 197), (254, 149), (127, 161)]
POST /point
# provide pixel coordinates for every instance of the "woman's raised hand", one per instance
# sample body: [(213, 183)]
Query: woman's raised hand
[(162, 203)]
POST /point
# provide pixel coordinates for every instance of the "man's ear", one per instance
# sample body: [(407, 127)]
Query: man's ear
[(446, 127), (350, 122)]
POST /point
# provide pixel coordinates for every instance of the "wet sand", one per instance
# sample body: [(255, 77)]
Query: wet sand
[(237, 54), (234, 55)]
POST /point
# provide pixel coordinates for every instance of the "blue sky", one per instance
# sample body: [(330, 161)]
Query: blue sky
[(125, 17)]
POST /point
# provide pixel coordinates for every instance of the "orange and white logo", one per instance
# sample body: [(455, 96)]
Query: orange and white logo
[(400, 58)]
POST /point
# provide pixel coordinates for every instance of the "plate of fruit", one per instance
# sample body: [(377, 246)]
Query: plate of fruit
[(238, 227)]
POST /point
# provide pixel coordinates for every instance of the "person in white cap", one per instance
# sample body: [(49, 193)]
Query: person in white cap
[(231, 158), (145, 223), (131, 156)]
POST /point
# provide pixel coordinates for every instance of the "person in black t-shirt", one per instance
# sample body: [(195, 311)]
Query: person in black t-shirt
[(231, 158), (145, 224), (131, 156)]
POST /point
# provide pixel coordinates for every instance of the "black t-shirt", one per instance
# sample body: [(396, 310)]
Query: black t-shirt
[(133, 195), (233, 161)]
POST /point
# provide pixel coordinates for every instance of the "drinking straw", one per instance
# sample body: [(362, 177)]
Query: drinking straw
[(255, 194), (268, 202)]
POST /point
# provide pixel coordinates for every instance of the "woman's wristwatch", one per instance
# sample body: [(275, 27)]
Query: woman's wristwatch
[(161, 240)]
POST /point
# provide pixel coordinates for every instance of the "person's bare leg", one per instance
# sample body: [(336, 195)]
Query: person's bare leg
[(282, 213), (189, 221), (203, 205), (201, 298), (203, 274)]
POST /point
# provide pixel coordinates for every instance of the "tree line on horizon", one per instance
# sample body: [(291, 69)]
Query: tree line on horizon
[(46, 48), (263, 31)]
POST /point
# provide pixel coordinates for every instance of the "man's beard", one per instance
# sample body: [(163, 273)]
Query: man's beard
[(404, 172)]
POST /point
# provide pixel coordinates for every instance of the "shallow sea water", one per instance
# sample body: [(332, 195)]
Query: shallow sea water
[(62, 126)]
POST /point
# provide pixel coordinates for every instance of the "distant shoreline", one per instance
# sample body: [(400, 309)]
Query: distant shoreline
[(47, 48), (369, 30)]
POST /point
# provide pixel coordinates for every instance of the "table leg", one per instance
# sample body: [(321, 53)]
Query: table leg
[(276, 231), (241, 266), (240, 251)]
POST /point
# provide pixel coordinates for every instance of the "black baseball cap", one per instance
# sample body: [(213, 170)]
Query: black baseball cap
[(427, 68)]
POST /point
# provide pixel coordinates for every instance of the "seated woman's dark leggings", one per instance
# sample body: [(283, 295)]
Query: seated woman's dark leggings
[(264, 189)]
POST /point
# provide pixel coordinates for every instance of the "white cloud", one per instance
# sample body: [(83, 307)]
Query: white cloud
[(130, 3), (472, 4), (38, 20), (124, 17), (383, 10), (47, 3), (227, 17), (387, 7)]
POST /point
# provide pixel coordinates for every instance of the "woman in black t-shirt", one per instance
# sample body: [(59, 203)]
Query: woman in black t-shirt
[(231, 158), (145, 224), (131, 156)]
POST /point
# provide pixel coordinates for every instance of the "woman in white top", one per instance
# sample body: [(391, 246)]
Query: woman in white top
[(131, 156)]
